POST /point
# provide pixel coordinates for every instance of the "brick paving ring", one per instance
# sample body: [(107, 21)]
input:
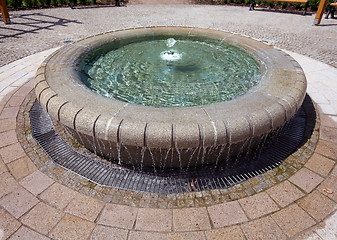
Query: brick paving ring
[(138, 135)]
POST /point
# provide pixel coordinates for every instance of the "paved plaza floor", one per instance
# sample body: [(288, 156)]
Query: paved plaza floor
[(34, 204)]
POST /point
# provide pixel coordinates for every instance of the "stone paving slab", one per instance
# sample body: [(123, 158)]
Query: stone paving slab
[(71, 227), (227, 233), (42, 224), (258, 205), (148, 219), (21, 167), (190, 219), (26, 233), (85, 207), (118, 216), (293, 220), (285, 193), (288, 31), (226, 214), (109, 233), (8, 224), (317, 205), (306, 179), (36, 182), (309, 208), (320, 164), (18, 202), (263, 228)]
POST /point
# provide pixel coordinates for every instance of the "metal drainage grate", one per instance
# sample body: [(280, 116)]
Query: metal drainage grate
[(269, 157)]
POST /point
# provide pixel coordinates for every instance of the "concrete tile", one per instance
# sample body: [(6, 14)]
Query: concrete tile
[(327, 229), (148, 219), (3, 167), (293, 220), (12, 152), (8, 224), (6, 90), (18, 202), (118, 216), (2, 104), (327, 149), (15, 101), (71, 227), (25, 233), (15, 73), (326, 109), (258, 205), (264, 228), (317, 205), (226, 214), (7, 125), (139, 235), (187, 236), (284, 193), (109, 233), (334, 106), (21, 167), (328, 120), (8, 138), (58, 195), (85, 207), (36, 182), (308, 235), (190, 219), (42, 218), (9, 112), (329, 188), (320, 164), (6, 67), (317, 97), (7, 184), (328, 134), (306, 179), (20, 81), (227, 233), (25, 89)]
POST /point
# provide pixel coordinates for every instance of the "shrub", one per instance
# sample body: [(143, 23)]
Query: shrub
[(284, 5), (15, 3), (271, 4), (313, 4)]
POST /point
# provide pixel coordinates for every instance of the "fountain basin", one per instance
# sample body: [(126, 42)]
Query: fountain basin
[(177, 137)]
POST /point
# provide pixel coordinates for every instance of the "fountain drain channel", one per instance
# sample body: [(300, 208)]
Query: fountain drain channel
[(270, 156)]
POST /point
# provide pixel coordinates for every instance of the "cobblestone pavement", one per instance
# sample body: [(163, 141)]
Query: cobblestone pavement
[(37, 30), (36, 205)]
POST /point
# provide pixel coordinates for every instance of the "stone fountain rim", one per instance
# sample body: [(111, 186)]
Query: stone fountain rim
[(273, 102)]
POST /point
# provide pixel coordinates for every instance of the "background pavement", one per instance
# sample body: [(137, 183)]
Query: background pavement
[(37, 30)]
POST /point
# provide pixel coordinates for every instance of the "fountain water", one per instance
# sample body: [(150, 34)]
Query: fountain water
[(170, 137)]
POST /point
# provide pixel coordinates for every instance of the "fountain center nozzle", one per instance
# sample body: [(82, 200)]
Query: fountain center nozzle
[(170, 55)]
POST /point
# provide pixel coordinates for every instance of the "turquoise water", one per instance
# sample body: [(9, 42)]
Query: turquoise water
[(165, 73)]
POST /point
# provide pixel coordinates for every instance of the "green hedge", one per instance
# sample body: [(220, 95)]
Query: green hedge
[(313, 4), (17, 4)]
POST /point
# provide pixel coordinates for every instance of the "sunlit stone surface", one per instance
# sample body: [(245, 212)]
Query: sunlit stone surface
[(170, 137)]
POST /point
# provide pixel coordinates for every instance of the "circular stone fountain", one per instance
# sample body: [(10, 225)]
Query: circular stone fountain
[(164, 137)]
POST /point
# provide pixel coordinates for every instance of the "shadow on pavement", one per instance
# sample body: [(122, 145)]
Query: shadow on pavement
[(32, 23)]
